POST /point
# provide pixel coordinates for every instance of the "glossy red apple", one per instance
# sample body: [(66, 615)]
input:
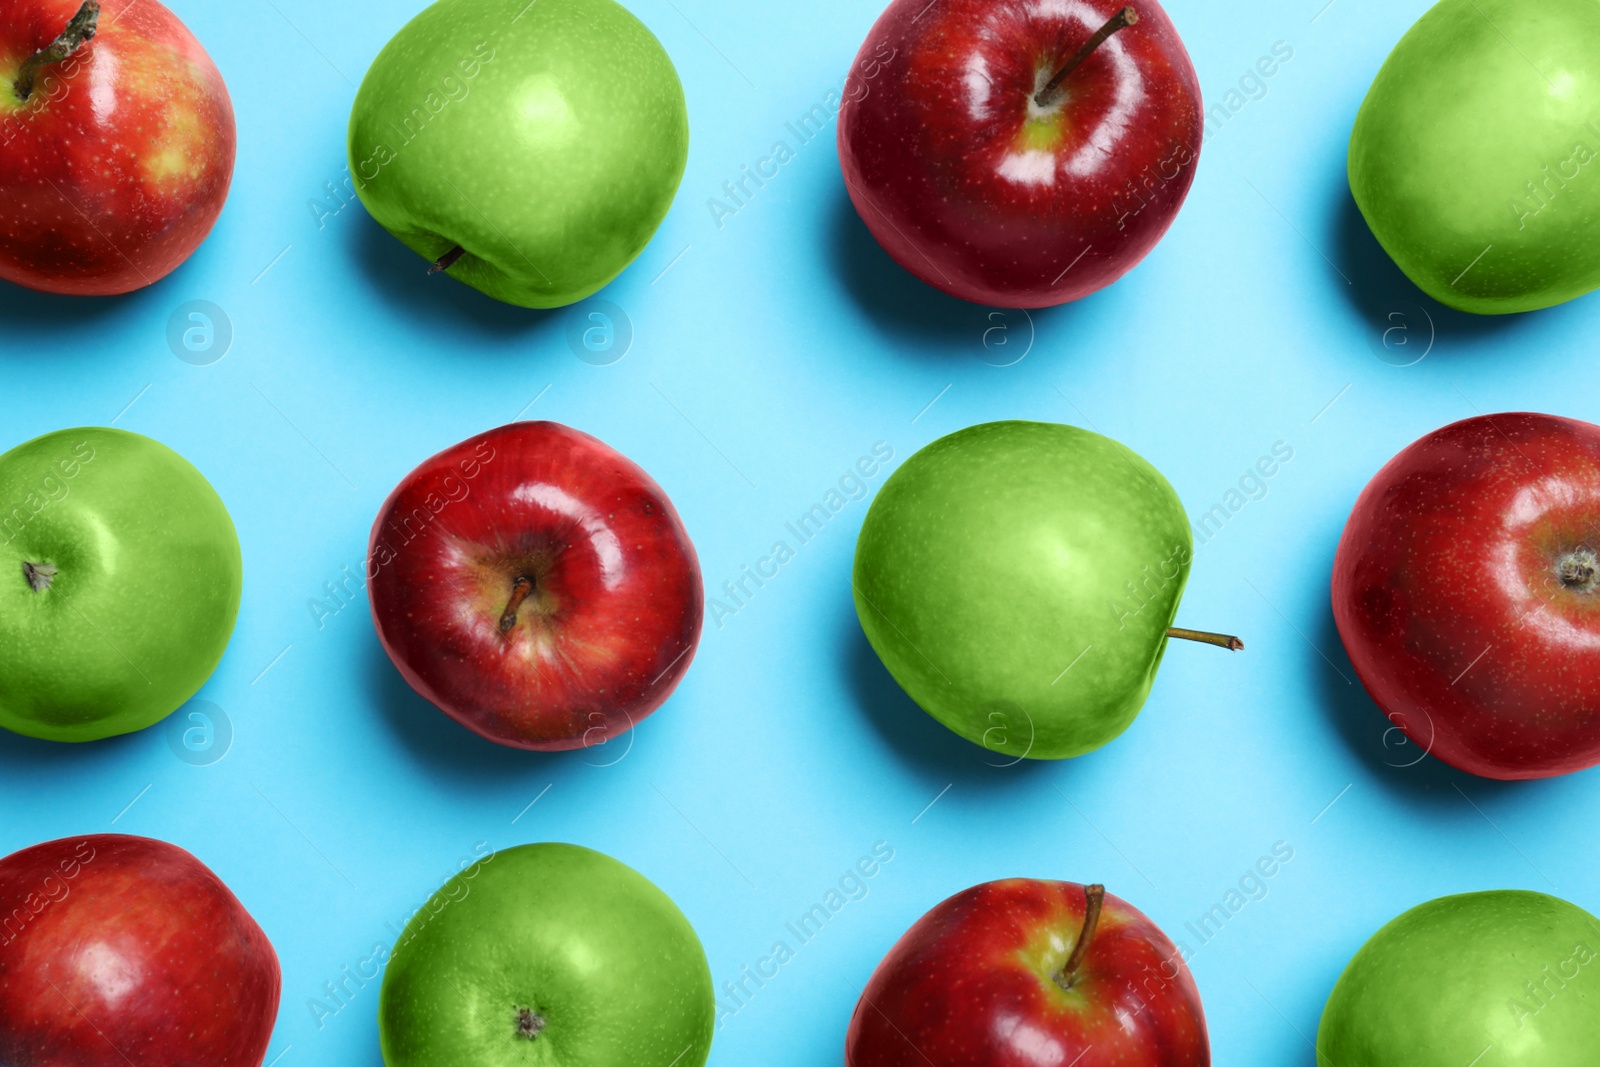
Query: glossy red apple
[(1019, 153), (1028, 973), (537, 586), (1466, 590), (116, 144), (126, 952)]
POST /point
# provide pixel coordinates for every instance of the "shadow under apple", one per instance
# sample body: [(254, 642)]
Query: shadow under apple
[(432, 738), (926, 320), (929, 747), (400, 277), (1386, 299), (1392, 760), (28, 759)]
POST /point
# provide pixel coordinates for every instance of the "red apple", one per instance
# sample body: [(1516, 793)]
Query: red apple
[(116, 144), (1028, 973), (537, 586), (126, 952), (985, 181), (1466, 590)]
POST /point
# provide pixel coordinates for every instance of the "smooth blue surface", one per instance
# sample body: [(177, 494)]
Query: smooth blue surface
[(764, 361)]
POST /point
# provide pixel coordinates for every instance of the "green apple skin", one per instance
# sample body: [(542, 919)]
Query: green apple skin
[(1018, 579), (145, 590), (545, 139), (551, 955), (1480, 177), (1515, 972)]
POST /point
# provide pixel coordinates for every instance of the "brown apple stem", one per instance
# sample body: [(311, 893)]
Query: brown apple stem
[(79, 31), (1094, 897), (1126, 17), (446, 261), (1227, 641), (39, 575), (519, 592)]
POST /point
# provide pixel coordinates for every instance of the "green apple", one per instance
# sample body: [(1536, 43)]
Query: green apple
[(119, 583), (1501, 978), (1019, 580), (552, 955), (1476, 154), (529, 149)]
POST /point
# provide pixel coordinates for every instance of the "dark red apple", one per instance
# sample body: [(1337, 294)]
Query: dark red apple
[(1019, 153), (537, 586), (1466, 590), (116, 144), (1029, 973), (121, 951)]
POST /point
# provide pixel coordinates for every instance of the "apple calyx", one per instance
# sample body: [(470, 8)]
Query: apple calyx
[(529, 1023), (1206, 637), (1094, 897), (80, 30), (39, 575), (1126, 17), (446, 261), (519, 592), (1579, 570)]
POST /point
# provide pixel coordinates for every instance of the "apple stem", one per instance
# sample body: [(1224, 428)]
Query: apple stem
[(1227, 641), (446, 261), (528, 1023), (519, 592), (1094, 897), (1579, 570), (39, 575), (1126, 17), (79, 31)]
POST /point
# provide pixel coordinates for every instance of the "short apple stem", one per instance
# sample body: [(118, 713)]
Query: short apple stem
[(529, 1023), (79, 31), (519, 592), (1094, 898), (1579, 570), (39, 575), (446, 261), (1227, 641), (1126, 17)]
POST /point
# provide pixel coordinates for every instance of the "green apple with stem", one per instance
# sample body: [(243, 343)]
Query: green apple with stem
[(1475, 157), (1020, 581), (547, 954), (120, 577), (1503, 977), (529, 150)]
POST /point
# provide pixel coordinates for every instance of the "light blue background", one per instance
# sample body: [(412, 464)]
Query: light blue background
[(770, 356)]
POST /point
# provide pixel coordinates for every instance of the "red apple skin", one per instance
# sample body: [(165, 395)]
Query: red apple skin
[(931, 141), (972, 984), (115, 168), (615, 615), (1448, 599), (121, 951)]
